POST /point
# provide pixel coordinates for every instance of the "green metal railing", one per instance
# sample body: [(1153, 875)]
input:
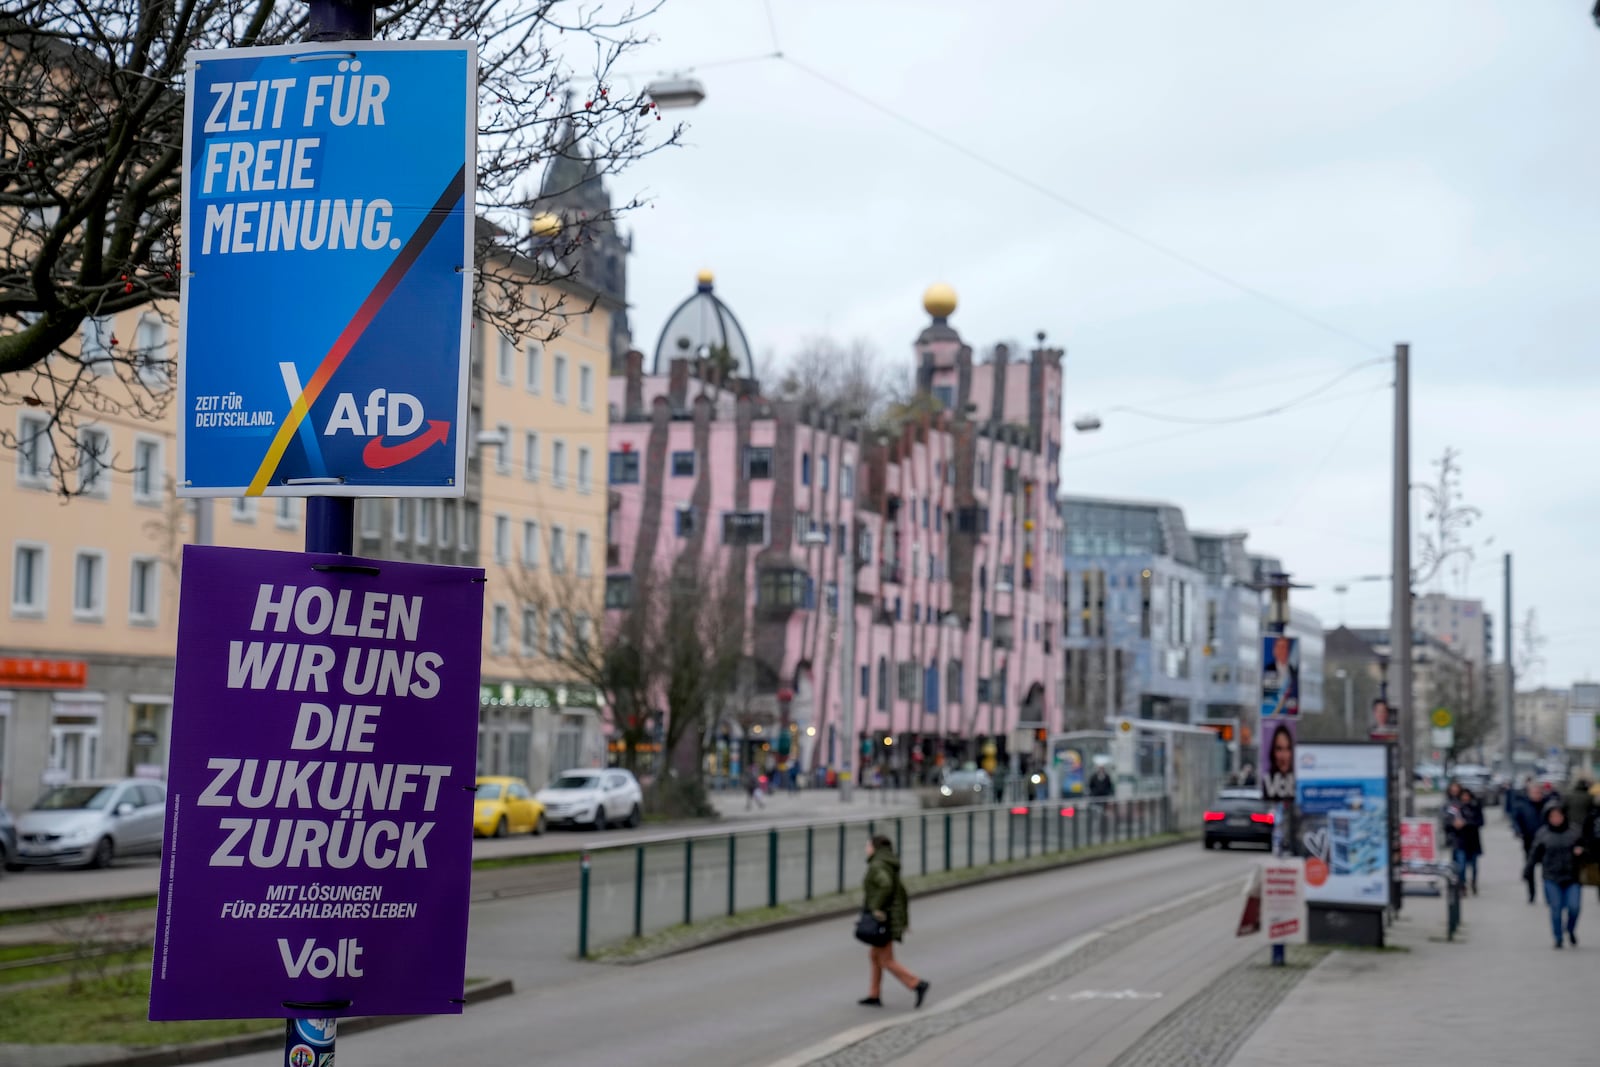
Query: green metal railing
[(637, 890)]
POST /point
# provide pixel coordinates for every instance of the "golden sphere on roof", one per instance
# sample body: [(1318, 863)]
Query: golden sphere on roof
[(939, 300), (705, 277), (546, 225)]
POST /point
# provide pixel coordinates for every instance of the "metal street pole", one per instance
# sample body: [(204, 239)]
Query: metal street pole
[(1400, 588), (1284, 832), (1509, 682), (1349, 716), (847, 662)]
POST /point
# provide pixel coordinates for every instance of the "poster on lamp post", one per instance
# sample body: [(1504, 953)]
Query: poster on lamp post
[(318, 850)]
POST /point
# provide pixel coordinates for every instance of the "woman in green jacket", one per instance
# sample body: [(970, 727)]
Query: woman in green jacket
[(886, 899)]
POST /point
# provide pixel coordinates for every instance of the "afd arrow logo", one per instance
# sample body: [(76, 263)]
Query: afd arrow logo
[(380, 456)]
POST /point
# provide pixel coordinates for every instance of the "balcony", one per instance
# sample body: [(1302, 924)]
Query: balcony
[(889, 573)]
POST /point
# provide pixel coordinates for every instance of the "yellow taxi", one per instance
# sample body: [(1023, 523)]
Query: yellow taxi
[(505, 806)]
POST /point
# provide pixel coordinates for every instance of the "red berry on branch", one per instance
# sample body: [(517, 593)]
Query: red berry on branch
[(588, 104)]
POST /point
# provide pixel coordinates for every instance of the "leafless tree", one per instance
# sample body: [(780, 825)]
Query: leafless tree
[(91, 135), (670, 655), (1530, 645), (851, 378)]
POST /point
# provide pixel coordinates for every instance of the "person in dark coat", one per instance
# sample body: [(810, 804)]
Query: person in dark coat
[(886, 898), (1526, 819), (1469, 839), (1556, 848)]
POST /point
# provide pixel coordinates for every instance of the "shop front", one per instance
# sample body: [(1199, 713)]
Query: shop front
[(534, 732)]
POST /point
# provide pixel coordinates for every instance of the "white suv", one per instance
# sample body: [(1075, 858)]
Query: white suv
[(598, 798)]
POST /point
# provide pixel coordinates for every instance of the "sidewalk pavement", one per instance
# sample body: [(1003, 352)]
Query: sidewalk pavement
[(1498, 994)]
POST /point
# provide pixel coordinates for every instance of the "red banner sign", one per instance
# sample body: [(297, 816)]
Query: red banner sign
[(19, 673)]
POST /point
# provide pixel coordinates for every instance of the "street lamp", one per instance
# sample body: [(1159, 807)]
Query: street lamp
[(1349, 720), (676, 91)]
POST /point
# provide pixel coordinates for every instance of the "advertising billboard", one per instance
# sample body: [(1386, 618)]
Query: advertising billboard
[(1342, 791)]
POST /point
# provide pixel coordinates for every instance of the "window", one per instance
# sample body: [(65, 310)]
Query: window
[(619, 590), (402, 519), (89, 586), (530, 544), (684, 521), (244, 509), (866, 682), (822, 473), (94, 347), (585, 469), (952, 681), (906, 680), (946, 395), (983, 482), (94, 456), (1009, 480), (474, 420), (535, 368), (805, 468), (558, 463), (530, 632), (586, 387), (624, 467), (33, 450), (983, 690), (283, 513), (147, 473), (502, 539), (507, 357), (558, 550), (830, 593), (28, 580), (784, 588), (142, 593), (424, 522), (744, 528), (757, 461), (530, 456), (447, 523), (581, 546), (502, 453), (469, 526), (682, 465), (502, 629), (559, 388), (371, 518), (1004, 631), (847, 481), (150, 350), (883, 683), (557, 636)]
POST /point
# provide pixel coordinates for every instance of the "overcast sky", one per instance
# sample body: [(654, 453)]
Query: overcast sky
[(1427, 171)]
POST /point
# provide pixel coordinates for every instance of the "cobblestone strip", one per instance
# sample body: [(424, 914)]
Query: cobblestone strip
[(887, 1046), (1211, 1026)]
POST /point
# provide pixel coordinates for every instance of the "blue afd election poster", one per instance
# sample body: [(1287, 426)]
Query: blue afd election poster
[(1342, 792), (327, 255)]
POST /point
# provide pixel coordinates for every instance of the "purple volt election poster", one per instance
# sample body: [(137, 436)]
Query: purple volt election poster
[(318, 846)]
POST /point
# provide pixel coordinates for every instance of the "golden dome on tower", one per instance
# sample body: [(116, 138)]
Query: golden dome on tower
[(705, 277), (546, 225), (939, 300)]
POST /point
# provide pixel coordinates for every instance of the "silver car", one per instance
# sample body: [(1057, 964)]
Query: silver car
[(90, 824)]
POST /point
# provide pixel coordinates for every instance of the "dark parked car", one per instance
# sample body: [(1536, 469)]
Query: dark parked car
[(8, 841), (1240, 816)]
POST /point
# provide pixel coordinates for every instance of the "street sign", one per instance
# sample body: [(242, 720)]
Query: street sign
[(1442, 737), (318, 843), (1442, 718), (327, 254), (1580, 730)]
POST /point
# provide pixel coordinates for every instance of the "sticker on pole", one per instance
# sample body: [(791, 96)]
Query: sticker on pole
[(318, 847), (327, 256)]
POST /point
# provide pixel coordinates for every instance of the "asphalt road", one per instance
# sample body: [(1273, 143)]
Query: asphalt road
[(754, 1001), (134, 877)]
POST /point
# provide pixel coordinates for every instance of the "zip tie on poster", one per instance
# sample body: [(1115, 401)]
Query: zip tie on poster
[(317, 1005), (346, 568), (466, 270), (316, 57), (313, 481)]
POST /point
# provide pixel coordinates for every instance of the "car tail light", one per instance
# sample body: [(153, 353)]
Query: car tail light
[(1213, 816), (1019, 811), (1261, 816), (1067, 813)]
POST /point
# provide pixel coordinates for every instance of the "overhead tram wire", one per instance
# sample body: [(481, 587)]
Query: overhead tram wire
[(1275, 409)]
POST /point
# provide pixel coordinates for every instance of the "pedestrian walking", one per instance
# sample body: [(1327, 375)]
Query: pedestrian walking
[(752, 790), (887, 904), (1556, 848), (1526, 819), (1469, 840)]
